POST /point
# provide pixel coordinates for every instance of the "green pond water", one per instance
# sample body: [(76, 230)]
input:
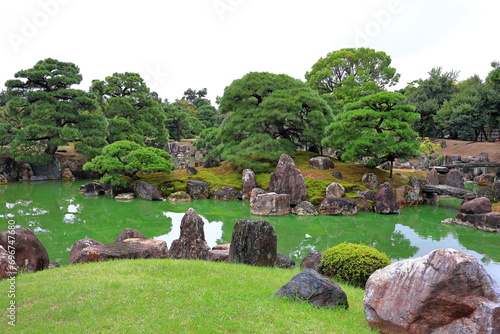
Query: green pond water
[(59, 215)]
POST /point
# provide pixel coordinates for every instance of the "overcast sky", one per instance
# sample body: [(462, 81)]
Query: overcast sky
[(177, 44)]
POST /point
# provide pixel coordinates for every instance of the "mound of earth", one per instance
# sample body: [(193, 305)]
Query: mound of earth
[(467, 149)]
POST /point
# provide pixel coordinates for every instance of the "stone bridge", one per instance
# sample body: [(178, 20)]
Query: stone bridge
[(446, 190)]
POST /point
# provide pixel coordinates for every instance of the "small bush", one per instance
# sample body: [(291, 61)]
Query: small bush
[(353, 263)]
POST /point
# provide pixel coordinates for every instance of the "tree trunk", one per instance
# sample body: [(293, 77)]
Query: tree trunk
[(390, 173), (51, 149)]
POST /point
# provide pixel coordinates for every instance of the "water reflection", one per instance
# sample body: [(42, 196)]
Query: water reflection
[(60, 216)]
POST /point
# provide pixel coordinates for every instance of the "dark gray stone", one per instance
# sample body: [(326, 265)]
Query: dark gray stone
[(338, 207), (253, 242), (321, 163), (337, 175), (191, 170), (147, 191), (92, 189), (211, 162), (227, 193), (284, 262), (314, 288)]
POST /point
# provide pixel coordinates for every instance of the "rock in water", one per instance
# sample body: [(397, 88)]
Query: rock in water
[(249, 183), (287, 179), (253, 242), (314, 288), (191, 243), (198, 189), (446, 291), (385, 200), (147, 191), (271, 205)]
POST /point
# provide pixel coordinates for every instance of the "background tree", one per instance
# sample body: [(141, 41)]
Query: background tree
[(132, 111), (44, 111), (126, 158), (349, 74), (181, 120), (376, 127), (428, 97), (280, 112), (470, 112)]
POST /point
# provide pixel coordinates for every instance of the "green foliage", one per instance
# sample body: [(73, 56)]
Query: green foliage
[(43, 112), (375, 127), (181, 121), (133, 113), (280, 111), (428, 96), (427, 147), (127, 158), (353, 263), (348, 74)]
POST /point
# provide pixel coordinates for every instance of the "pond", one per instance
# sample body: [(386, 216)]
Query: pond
[(59, 215)]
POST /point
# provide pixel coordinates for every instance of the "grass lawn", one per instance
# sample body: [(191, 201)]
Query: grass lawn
[(169, 296)]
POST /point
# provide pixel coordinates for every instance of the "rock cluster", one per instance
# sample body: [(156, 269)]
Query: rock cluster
[(477, 212)]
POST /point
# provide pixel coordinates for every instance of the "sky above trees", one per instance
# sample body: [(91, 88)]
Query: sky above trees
[(179, 44)]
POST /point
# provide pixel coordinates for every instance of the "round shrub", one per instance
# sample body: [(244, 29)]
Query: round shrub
[(353, 263)]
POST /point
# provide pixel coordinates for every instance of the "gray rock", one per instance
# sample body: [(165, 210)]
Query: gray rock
[(147, 191), (92, 189), (271, 205), (314, 288), (253, 242), (227, 193), (335, 190), (305, 208), (338, 207), (337, 175), (371, 180), (191, 170), (249, 183), (254, 193), (453, 179), (211, 162)]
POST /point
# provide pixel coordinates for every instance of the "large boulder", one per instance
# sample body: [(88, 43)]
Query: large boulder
[(198, 189), (314, 288), (126, 249), (253, 242), (249, 183), (227, 193), (385, 201), (147, 191), (8, 265), (321, 163), (475, 205), (313, 261), (371, 180), (30, 254), (92, 189), (287, 179), (191, 243), (335, 190), (338, 207), (271, 205), (446, 291), (130, 233), (407, 196), (305, 208), (453, 179), (78, 246)]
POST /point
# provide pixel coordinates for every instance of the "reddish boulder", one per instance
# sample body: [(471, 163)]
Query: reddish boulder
[(453, 179), (191, 243), (30, 254), (129, 233), (446, 291), (78, 246), (126, 249), (287, 179), (271, 205), (313, 261), (476, 205), (321, 163), (385, 201), (253, 242)]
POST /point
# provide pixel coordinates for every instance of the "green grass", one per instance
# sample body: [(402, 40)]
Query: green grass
[(170, 296)]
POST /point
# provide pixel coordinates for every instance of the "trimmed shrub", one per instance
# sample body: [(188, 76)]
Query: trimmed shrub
[(353, 263)]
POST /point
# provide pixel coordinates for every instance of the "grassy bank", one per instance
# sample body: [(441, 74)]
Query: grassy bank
[(169, 296)]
